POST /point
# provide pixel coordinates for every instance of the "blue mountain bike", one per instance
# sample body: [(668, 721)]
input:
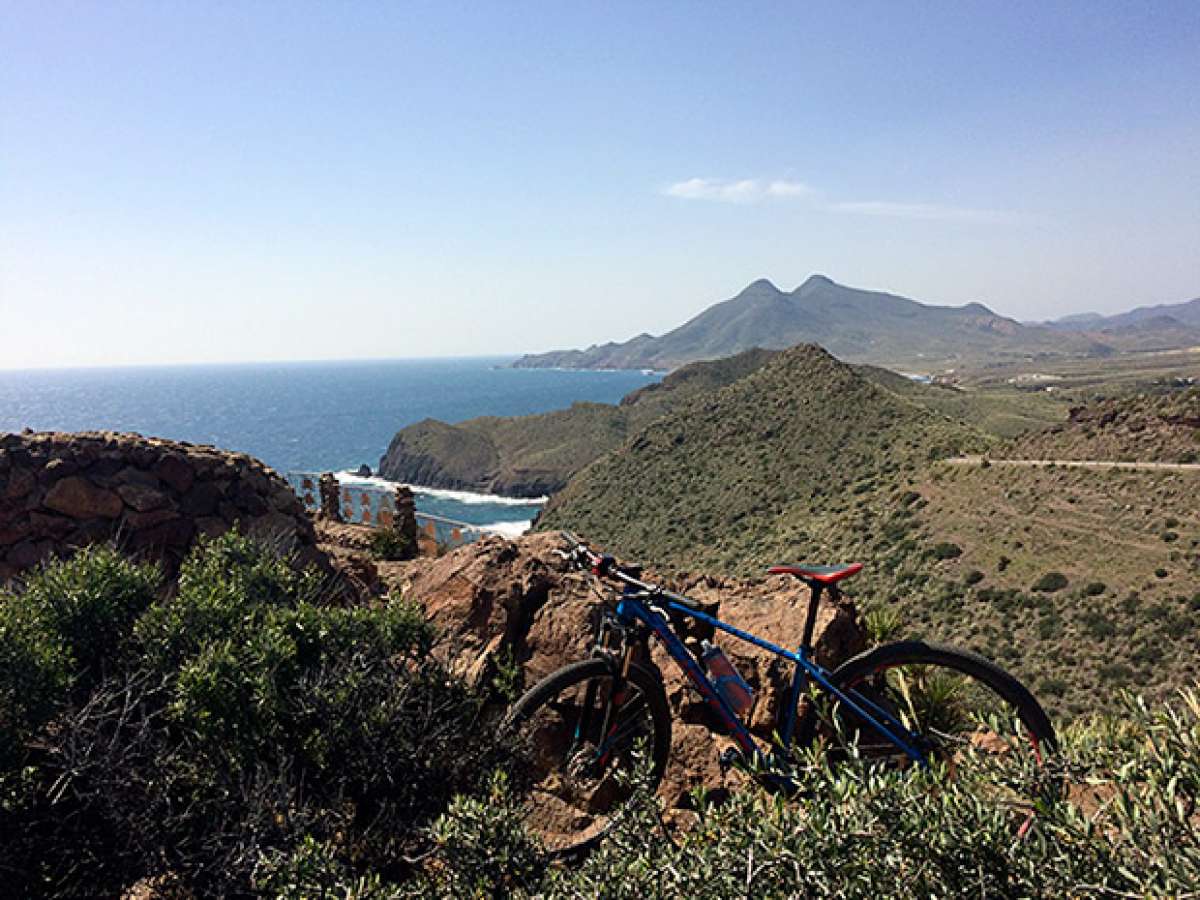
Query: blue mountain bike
[(581, 731)]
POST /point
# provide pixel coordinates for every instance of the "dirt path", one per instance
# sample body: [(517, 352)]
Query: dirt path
[(1075, 464)]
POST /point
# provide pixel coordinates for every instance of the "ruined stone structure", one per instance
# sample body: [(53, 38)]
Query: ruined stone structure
[(153, 497), (331, 503), (405, 517)]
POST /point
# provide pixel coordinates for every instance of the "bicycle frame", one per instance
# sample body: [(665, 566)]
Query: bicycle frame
[(632, 607)]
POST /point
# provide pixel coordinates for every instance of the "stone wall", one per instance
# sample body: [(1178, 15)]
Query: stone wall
[(153, 497)]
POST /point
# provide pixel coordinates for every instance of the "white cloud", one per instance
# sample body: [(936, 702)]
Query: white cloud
[(756, 190), (889, 209), (745, 190), (788, 189)]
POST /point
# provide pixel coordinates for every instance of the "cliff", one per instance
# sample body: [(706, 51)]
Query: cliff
[(532, 456)]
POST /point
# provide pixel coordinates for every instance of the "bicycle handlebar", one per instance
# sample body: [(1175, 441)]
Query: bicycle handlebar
[(603, 565)]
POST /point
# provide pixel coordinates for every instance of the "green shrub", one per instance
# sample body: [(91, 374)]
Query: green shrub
[(1052, 687), (973, 577), (863, 832), (1095, 589), (251, 716), (1170, 536), (68, 626), (1098, 625), (1049, 627), (946, 550), (1050, 582), (883, 623), (35, 670), (1116, 673), (390, 544)]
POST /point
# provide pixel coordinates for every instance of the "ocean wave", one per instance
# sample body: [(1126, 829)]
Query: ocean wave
[(506, 529), (465, 497)]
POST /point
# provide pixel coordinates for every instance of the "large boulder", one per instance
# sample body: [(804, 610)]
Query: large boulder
[(499, 601), (152, 497)]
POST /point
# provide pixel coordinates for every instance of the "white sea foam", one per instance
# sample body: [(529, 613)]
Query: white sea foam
[(468, 497), (507, 529)]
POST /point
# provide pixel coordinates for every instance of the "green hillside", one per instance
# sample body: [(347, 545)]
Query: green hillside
[(1080, 581), (530, 456), (803, 457), (1148, 428)]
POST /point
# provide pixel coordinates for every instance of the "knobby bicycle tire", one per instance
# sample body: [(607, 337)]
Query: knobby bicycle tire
[(973, 719), (546, 810)]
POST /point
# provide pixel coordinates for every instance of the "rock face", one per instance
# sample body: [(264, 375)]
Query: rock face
[(59, 492), (497, 600)]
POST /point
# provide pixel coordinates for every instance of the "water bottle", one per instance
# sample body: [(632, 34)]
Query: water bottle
[(729, 683)]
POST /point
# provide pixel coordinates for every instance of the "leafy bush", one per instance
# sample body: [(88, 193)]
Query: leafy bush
[(1095, 589), (1050, 582), (390, 544), (946, 550), (859, 831), (973, 577), (1098, 626), (249, 722), (67, 628)]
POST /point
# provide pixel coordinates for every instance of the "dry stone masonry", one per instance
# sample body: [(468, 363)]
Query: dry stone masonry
[(153, 497)]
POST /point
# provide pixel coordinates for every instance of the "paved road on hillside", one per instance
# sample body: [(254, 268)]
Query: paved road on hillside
[(1076, 463)]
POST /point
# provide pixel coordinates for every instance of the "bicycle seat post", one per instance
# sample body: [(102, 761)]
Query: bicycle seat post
[(815, 589)]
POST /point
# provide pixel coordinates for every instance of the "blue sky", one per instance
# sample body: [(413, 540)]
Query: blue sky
[(212, 181)]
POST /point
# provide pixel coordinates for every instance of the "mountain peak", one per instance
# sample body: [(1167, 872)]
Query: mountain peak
[(817, 280), (759, 286)]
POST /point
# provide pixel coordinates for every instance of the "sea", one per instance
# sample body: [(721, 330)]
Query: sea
[(309, 416)]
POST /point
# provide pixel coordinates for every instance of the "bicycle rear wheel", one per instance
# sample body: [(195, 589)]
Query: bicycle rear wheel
[(578, 744), (971, 719)]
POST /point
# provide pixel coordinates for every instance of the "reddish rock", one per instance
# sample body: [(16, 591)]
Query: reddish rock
[(139, 520), (202, 500), (14, 529), (176, 472), (61, 468), (20, 483), (27, 554), (49, 525), (484, 595), (80, 499), (497, 599), (174, 535), (141, 497)]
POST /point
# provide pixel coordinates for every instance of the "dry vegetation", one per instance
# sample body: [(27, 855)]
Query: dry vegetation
[(1143, 428), (1127, 544)]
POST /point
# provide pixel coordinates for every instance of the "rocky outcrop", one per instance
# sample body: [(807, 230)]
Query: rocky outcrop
[(497, 601), (153, 497), (536, 455)]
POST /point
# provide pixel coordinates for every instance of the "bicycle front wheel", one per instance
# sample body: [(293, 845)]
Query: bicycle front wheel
[(971, 719), (579, 737)]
